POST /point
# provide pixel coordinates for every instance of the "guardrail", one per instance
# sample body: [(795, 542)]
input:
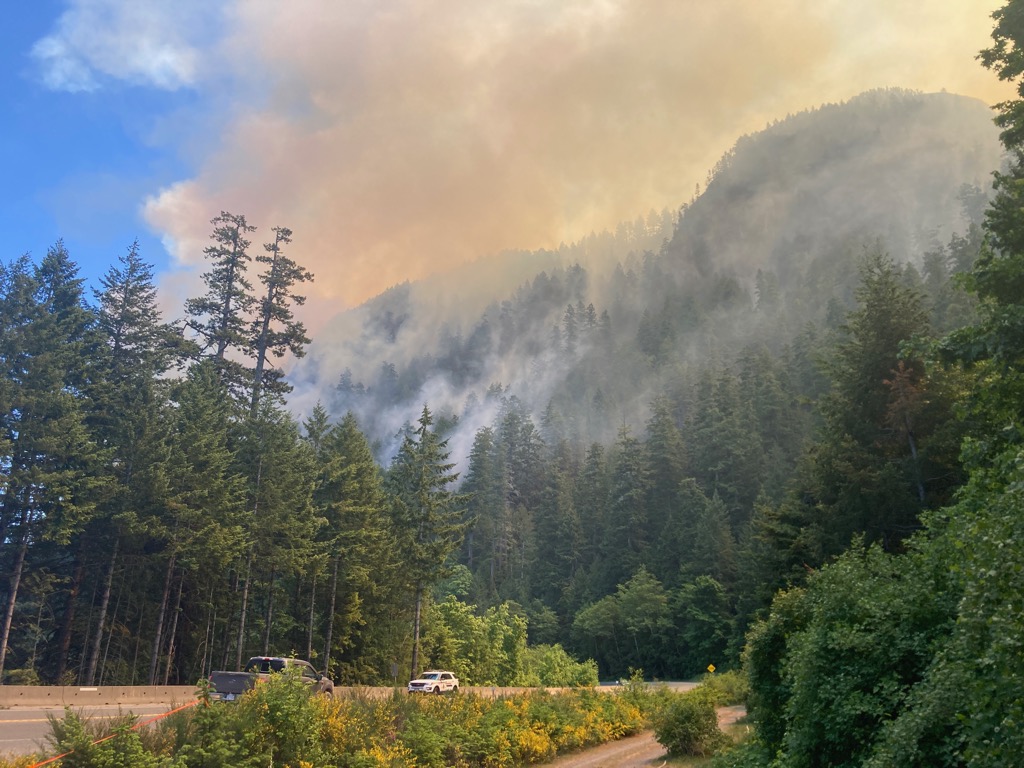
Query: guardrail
[(60, 696), (85, 696)]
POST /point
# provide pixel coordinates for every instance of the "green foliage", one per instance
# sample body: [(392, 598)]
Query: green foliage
[(486, 649), (74, 735), (729, 688), (687, 723), (834, 663), (551, 666), (279, 723)]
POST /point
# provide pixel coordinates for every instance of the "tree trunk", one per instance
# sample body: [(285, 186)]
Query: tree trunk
[(19, 565), (416, 630), (269, 619), (64, 644), (158, 633), (312, 610), (226, 640), (245, 607), (330, 618), (208, 635), (174, 630), (913, 454), (113, 626), (94, 657)]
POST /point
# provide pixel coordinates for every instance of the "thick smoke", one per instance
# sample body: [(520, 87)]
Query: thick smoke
[(400, 139)]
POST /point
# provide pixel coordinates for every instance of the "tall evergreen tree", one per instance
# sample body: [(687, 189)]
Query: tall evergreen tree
[(665, 456), (484, 487), (201, 525), (52, 463), (866, 470), (350, 498), (137, 350), (628, 536), (221, 317), (427, 514), (275, 331), (281, 526)]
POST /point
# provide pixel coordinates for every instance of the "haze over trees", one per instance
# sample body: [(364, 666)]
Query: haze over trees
[(766, 423)]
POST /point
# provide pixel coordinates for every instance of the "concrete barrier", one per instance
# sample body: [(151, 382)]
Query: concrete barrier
[(58, 696), (84, 696)]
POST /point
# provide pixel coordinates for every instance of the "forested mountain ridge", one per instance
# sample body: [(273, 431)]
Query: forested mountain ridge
[(783, 219)]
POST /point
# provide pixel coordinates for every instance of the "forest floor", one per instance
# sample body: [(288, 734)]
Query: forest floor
[(640, 751)]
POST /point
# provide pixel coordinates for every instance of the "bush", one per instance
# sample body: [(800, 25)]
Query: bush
[(550, 666), (687, 724), (72, 734), (730, 688)]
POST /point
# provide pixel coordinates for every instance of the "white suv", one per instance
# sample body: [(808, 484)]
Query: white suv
[(434, 681)]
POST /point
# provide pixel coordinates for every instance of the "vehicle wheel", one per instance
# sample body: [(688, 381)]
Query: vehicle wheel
[(437, 689), (455, 689)]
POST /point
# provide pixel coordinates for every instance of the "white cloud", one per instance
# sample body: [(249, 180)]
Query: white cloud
[(141, 42)]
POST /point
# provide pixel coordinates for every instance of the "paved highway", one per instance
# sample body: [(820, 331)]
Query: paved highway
[(24, 730)]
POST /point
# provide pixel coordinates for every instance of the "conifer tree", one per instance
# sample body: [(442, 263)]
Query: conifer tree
[(275, 331), (136, 350), (221, 317), (350, 498), (865, 474), (280, 526), (484, 487), (665, 455), (201, 524), (427, 515), (51, 463), (628, 536)]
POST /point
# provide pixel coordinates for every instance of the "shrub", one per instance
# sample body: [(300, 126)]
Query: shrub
[(124, 750), (278, 723), (551, 666), (687, 724), (730, 688), (636, 691)]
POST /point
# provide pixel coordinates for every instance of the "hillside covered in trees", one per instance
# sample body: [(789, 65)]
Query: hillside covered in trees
[(706, 431)]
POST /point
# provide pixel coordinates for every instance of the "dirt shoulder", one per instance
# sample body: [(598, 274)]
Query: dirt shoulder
[(640, 751)]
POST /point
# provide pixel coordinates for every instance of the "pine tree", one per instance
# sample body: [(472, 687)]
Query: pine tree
[(427, 515), (52, 463), (220, 318), (665, 455), (627, 539), (275, 331), (281, 526), (864, 474), (350, 499), (484, 487), (127, 418), (201, 525)]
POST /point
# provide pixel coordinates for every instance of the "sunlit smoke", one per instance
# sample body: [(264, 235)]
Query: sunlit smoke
[(399, 139)]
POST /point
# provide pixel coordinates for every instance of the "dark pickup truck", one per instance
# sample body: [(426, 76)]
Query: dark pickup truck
[(228, 686)]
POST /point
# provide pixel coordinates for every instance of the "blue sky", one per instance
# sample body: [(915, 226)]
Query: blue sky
[(78, 163), (400, 138)]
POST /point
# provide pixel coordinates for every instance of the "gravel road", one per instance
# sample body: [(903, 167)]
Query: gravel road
[(640, 751)]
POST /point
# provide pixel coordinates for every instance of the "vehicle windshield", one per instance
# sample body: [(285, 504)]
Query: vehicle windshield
[(265, 665), (430, 676)]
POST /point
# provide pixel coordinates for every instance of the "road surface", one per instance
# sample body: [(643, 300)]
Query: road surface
[(640, 751), (23, 730)]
